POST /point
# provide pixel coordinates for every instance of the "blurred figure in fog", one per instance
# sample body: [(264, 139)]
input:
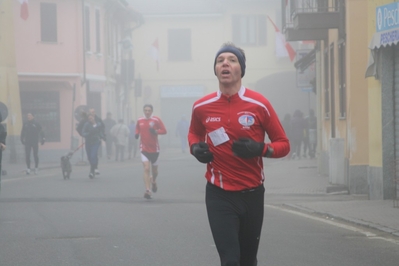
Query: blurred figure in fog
[(99, 122), (120, 133), (305, 138), (182, 132), (3, 135), (297, 127), (132, 146), (311, 124), (31, 135), (108, 124), (287, 125), (148, 128), (93, 134), (101, 125)]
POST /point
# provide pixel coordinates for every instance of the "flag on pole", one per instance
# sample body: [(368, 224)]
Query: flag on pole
[(155, 52), (283, 48), (24, 12)]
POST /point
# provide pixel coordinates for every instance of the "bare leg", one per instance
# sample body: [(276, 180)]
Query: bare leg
[(154, 172), (147, 175)]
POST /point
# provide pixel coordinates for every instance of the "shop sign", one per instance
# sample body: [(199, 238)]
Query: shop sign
[(387, 17)]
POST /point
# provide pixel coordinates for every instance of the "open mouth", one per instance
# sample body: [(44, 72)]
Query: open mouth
[(225, 72)]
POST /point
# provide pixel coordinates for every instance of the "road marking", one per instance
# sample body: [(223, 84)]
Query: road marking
[(28, 177), (337, 224)]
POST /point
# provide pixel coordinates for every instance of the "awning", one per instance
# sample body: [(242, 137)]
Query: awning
[(384, 38), (380, 39), (306, 61)]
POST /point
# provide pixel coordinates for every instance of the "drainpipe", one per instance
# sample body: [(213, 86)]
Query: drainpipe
[(83, 81)]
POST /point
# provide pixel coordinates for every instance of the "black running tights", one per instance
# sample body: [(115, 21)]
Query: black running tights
[(236, 220)]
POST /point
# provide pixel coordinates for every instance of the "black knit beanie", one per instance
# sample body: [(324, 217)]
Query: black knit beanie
[(234, 50)]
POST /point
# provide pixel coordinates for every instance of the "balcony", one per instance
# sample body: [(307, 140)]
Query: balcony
[(311, 19), (319, 20)]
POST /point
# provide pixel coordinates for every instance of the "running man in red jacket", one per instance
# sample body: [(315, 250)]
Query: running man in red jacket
[(148, 128), (227, 132)]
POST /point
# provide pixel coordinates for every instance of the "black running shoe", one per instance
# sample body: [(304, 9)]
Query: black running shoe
[(147, 195)]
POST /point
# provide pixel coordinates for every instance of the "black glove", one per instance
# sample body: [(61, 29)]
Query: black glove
[(153, 131), (137, 136), (248, 148), (201, 152), (43, 141)]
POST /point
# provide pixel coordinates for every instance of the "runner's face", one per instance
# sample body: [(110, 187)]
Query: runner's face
[(147, 112), (228, 68)]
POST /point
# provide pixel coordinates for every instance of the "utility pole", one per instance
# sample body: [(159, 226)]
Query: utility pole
[(9, 87)]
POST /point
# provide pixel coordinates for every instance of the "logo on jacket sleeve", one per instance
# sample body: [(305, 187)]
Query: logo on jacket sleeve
[(246, 120)]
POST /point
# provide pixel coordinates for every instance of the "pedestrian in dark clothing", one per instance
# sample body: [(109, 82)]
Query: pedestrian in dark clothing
[(31, 135), (311, 123), (132, 145), (93, 134), (287, 125), (298, 128), (3, 135), (182, 132), (108, 124), (305, 139), (100, 123)]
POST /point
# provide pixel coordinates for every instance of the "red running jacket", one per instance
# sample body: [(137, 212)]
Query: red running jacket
[(246, 114), (148, 141)]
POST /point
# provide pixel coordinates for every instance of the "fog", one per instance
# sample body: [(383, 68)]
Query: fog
[(275, 79), (79, 54), (56, 78)]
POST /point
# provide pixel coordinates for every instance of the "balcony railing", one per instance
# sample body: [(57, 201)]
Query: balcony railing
[(291, 8)]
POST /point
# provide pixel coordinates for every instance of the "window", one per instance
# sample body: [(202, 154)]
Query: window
[(45, 106), (326, 86), (48, 22), (87, 28), (342, 79), (179, 45), (249, 30), (98, 32)]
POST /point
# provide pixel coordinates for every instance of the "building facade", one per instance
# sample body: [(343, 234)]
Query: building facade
[(68, 57), (357, 143), (175, 51)]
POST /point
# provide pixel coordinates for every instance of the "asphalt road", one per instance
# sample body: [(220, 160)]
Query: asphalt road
[(45, 220)]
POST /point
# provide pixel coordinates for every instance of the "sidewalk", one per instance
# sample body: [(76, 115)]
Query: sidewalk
[(293, 178), (300, 177)]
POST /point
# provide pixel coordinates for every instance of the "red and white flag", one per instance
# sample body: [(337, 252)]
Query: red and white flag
[(24, 12), (155, 52), (283, 48)]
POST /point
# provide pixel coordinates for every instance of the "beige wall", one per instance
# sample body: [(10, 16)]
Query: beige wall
[(357, 105), (9, 89), (354, 127), (208, 34)]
